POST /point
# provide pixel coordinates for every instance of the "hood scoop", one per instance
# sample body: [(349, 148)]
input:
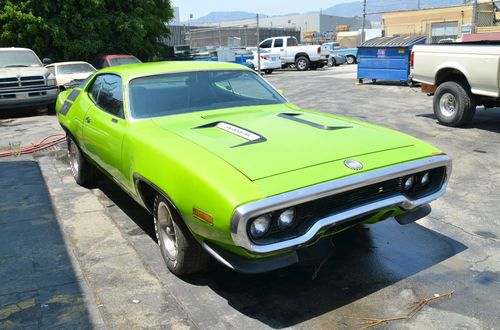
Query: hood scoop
[(294, 117), (248, 135)]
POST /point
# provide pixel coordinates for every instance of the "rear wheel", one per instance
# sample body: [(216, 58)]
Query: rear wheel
[(268, 71), (454, 104), (83, 171), (180, 250), (302, 63), (351, 59)]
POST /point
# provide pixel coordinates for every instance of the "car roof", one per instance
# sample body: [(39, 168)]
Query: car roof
[(72, 62), (14, 48), (116, 56), (130, 71)]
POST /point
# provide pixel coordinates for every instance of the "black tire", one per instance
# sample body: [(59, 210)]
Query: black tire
[(180, 250), (351, 59), (83, 171), (302, 63), (374, 81), (51, 109), (331, 62), (454, 104), (268, 71)]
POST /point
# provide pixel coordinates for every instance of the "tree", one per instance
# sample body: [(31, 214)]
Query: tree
[(80, 29)]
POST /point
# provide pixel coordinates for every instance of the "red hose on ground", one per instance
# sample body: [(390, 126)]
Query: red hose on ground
[(47, 142)]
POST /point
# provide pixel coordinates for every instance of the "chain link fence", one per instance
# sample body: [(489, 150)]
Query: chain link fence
[(487, 17)]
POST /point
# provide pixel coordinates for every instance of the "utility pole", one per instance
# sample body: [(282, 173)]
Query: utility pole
[(474, 16), (363, 23), (258, 45)]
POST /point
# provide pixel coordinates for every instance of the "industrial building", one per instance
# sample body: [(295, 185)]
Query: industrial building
[(317, 22), (443, 23)]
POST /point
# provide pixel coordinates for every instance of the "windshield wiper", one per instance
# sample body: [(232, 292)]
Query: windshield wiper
[(16, 66)]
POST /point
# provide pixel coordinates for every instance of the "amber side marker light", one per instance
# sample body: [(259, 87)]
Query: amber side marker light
[(205, 217)]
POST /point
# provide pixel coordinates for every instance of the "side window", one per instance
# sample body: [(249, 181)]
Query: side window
[(266, 43), (291, 42), (278, 42), (95, 89), (110, 97)]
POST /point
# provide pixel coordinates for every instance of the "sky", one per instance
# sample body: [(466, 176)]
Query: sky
[(269, 7)]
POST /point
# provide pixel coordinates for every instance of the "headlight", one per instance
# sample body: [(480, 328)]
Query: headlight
[(51, 82), (260, 226), (408, 183), (426, 178), (286, 219)]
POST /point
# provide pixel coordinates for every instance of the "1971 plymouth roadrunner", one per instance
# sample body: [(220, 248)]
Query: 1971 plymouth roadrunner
[(230, 168)]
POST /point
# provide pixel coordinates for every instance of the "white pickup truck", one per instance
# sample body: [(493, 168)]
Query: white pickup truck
[(460, 76), (303, 57)]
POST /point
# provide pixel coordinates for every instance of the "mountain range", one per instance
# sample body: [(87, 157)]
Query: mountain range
[(349, 9)]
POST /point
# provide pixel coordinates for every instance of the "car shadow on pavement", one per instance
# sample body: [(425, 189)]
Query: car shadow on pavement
[(363, 261), (23, 113), (38, 284), (488, 120)]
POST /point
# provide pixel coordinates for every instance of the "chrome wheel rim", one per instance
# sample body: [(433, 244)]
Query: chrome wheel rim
[(350, 60), (301, 64), (74, 160), (448, 104), (166, 230)]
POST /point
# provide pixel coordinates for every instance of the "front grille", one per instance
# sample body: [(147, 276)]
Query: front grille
[(310, 212), (28, 81)]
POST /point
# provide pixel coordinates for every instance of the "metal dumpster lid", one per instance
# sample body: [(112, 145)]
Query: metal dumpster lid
[(392, 41)]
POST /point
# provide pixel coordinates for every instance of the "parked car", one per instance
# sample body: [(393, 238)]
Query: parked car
[(268, 61), (104, 61), (302, 57), (69, 74), (351, 54), (460, 76), (229, 168), (336, 59), (24, 82)]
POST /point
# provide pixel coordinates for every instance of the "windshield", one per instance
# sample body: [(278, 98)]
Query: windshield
[(175, 93), (13, 58), (123, 60), (74, 68)]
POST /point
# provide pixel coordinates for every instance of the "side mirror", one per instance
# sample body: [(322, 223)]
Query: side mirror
[(281, 92), (46, 61)]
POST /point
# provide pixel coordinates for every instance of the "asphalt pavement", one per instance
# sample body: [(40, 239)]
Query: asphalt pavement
[(95, 250)]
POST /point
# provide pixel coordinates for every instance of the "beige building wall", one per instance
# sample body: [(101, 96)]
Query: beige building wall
[(418, 22)]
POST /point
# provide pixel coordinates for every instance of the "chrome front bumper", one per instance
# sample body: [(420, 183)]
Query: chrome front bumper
[(241, 216)]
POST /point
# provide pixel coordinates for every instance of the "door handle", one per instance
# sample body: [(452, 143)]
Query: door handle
[(114, 120), (88, 119), (281, 49)]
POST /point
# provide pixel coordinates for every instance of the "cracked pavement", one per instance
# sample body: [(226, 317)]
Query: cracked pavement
[(73, 257)]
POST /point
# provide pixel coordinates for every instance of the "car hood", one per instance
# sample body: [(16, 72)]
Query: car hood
[(66, 78), (269, 140), (23, 71)]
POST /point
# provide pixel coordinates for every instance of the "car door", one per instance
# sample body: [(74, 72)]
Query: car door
[(105, 124), (279, 48)]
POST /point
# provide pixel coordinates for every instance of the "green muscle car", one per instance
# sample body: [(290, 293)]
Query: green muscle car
[(230, 169)]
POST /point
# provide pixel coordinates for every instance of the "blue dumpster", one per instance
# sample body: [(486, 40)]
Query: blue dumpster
[(386, 58)]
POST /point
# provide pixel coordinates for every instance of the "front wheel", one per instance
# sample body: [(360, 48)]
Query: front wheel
[(302, 63), (268, 71), (454, 104), (331, 62), (180, 250), (83, 171), (351, 59)]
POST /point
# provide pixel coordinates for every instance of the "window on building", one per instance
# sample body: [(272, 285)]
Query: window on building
[(444, 30)]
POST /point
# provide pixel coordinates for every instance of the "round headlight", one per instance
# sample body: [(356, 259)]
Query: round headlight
[(286, 219), (408, 183), (425, 179), (260, 226)]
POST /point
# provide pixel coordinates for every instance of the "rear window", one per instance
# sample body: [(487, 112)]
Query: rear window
[(176, 93), (123, 60)]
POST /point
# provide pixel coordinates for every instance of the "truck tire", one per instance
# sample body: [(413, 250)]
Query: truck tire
[(351, 59), (180, 250), (268, 71), (83, 171), (454, 104), (302, 63)]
